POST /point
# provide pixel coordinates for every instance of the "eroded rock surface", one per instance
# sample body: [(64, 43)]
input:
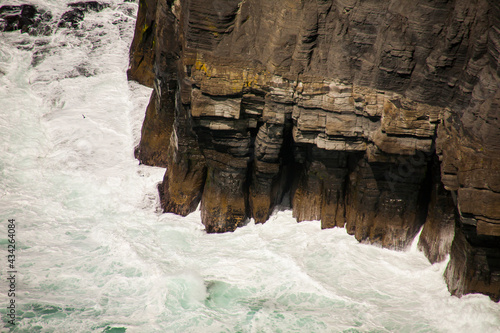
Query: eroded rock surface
[(376, 116)]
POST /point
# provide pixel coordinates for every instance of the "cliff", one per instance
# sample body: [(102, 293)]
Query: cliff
[(377, 116)]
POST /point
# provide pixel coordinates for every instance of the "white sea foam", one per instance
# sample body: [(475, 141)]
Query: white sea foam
[(95, 254)]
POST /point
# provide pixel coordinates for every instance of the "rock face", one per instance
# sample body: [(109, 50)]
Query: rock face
[(377, 116), (141, 50)]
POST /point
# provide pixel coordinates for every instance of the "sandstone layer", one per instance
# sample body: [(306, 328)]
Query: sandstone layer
[(377, 116)]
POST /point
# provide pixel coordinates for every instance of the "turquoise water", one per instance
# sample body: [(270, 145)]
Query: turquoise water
[(94, 254)]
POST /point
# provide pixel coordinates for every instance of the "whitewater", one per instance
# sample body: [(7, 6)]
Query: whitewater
[(94, 253)]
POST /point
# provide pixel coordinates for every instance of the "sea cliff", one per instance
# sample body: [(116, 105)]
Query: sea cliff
[(382, 117)]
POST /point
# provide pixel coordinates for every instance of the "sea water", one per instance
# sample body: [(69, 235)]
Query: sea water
[(95, 254)]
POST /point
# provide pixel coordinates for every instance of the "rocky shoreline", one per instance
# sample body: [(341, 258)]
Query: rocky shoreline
[(377, 117)]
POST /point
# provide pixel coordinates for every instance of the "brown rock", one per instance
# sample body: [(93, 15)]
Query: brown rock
[(184, 179), (439, 228), (473, 269), (182, 187), (223, 206), (320, 192), (155, 134), (384, 202), (142, 48)]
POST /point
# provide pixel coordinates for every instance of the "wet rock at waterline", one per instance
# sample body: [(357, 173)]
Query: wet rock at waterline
[(30, 19)]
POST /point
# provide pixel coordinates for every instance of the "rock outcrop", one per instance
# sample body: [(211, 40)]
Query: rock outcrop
[(141, 50), (26, 18), (29, 19), (377, 116)]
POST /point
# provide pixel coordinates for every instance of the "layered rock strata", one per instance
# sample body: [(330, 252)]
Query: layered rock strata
[(376, 116)]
